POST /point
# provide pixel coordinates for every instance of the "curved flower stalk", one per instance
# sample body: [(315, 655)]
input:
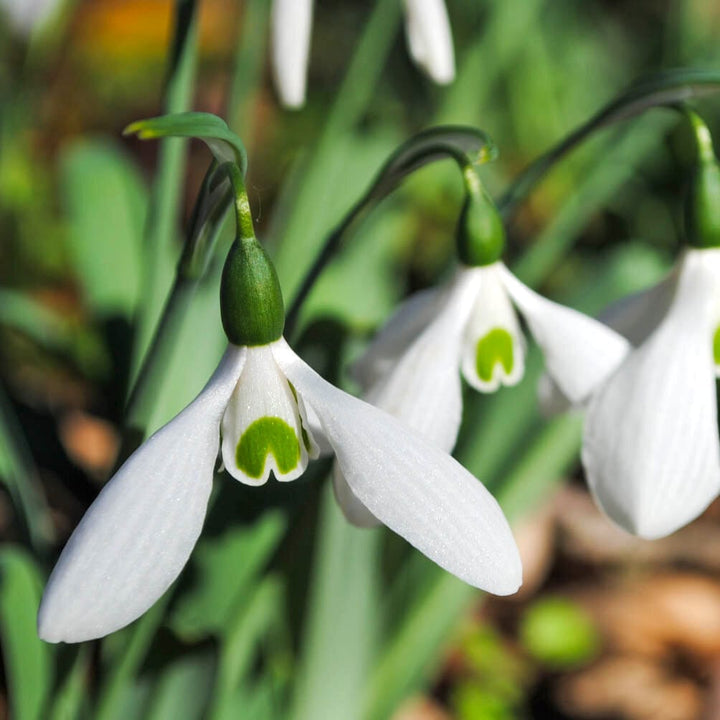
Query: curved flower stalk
[(650, 448), (268, 413), (427, 29)]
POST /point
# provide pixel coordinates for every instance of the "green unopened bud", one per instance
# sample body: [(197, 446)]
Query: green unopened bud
[(251, 302), (480, 232), (702, 208)]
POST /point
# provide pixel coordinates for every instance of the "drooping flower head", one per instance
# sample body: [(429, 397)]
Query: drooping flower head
[(650, 448), (427, 29), (266, 411), (470, 327)]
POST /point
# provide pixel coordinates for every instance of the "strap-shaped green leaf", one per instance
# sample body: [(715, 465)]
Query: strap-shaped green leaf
[(28, 660)]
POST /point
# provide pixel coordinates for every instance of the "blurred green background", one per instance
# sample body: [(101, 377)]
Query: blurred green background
[(285, 611)]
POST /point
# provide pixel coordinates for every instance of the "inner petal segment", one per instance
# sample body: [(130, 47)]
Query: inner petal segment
[(493, 347), (264, 429)]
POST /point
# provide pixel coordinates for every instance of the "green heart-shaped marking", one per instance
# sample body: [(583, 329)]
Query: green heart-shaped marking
[(493, 348), (716, 346), (262, 437)]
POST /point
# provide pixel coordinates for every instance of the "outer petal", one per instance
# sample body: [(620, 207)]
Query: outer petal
[(651, 436), (635, 317), (493, 347), (412, 487), (406, 323), (291, 28), (580, 352), (430, 39), (138, 534), (423, 389)]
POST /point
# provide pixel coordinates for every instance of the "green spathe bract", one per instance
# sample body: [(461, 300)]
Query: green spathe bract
[(703, 207), (495, 347), (480, 233), (262, 437), (251, 302)]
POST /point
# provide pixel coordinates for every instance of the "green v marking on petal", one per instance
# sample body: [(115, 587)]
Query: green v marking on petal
[(716, 346), (262, 437), (493, 348)]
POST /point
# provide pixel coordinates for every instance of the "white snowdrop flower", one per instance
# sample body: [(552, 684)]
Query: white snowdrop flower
[(137, 536), (427, 29), (470, 327), (650, 448), (291, 27), (26, 15), (429, 38)]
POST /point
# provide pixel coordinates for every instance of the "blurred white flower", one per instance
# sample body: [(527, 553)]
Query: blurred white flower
[(137, 536), (427, 29), (651, 449), (26, 14), (412, 368)]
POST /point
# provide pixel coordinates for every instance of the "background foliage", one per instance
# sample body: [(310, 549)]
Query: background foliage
[(285, 611)]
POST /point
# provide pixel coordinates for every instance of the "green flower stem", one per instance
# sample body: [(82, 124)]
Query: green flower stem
[(21, 479), (167, 189), (467, 147), (661, 90), (142, 398), (249, 62), (139, 638), (199, 249), (297, 239)]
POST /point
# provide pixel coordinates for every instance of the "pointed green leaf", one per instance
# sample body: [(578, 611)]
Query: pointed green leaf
[(28, 660), (224, 144)]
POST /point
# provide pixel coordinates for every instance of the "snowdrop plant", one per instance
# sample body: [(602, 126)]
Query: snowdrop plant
[(471, 327), (650, 448), (427, 29), (268, 412)]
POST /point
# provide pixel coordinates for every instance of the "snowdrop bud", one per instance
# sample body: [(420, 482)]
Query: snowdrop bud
[(251, 303), (702, 209), (480, 233)]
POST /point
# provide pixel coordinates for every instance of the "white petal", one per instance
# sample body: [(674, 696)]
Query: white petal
[(493, 320), (415, 489), (138, 534), (264, 429), (406, 323), (430, 39), (634, 317), (353, 510), (651, 437), (580, 352), (291, 28), (423, 390)]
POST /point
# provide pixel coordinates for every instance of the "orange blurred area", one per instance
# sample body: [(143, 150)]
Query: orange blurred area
[(138, 30)]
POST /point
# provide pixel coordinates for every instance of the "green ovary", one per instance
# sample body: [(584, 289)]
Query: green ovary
[(493, 348), (264, 436), (716, 346)]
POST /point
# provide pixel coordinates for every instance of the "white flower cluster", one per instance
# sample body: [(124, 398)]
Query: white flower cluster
[(427, 29)]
